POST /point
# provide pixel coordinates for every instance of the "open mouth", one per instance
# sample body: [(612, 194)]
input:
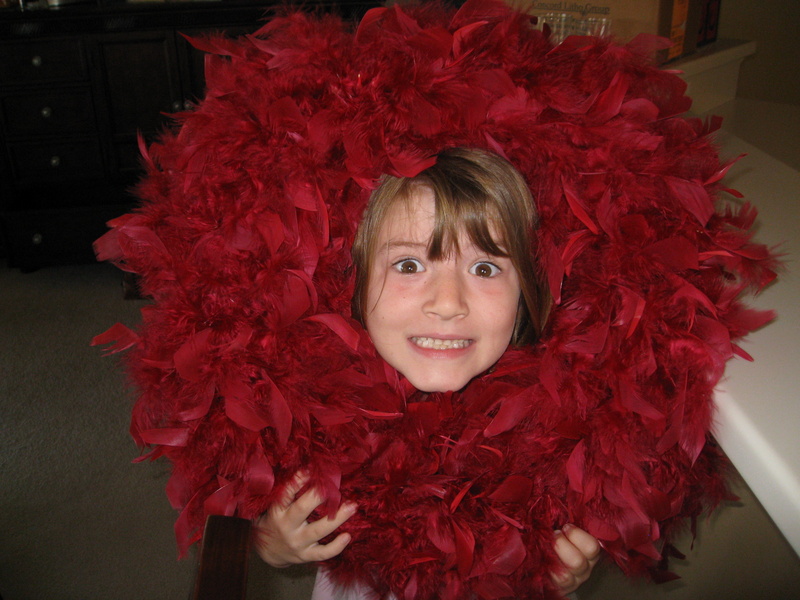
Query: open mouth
[(439, 344)]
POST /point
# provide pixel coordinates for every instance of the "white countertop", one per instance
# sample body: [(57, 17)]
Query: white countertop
[(758, 420)]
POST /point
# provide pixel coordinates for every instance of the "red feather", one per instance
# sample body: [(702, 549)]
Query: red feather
[(249, 366)]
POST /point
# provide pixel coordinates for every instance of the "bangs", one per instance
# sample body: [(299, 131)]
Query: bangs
[(459, 210)]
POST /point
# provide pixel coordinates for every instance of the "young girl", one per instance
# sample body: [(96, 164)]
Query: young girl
[(445, 282)]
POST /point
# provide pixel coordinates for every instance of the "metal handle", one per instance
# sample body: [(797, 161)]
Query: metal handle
[(180, 105), (46, 112), (55, 161), (36, 61)]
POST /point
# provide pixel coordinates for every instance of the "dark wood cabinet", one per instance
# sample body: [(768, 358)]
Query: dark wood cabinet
[(141, 82), (51, 141), (72, 109), (77, 88)]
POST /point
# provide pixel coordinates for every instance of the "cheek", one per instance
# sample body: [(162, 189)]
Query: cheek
[(504, 313), (504, 305), (387, 295)]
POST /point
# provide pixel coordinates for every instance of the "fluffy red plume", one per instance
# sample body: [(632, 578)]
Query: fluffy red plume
[(249, 366)]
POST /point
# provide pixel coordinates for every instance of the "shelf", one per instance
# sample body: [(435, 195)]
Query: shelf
[(758, 413), (712, 73)]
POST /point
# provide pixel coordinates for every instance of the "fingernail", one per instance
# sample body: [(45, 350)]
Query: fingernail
[(558, 533), (568, 527)]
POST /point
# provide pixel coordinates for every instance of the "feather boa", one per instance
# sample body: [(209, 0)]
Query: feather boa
[(249, 366)]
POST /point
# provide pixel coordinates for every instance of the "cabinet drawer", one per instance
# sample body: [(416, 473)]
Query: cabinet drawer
[(60, 236), (49, 112), (56, 161), (42, 61)]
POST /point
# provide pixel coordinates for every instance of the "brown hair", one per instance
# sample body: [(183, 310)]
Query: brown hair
[(473, 191)]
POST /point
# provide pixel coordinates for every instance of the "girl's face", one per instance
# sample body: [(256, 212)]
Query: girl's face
[(439, 323)]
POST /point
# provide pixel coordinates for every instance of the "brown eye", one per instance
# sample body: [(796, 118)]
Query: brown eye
[(409, 266), (484, 269)]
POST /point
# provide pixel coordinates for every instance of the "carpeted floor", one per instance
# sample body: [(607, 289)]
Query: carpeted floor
[(78, 520)]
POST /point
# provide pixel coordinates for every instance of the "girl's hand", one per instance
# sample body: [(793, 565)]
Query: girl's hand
[(579, 553), (285, 537)]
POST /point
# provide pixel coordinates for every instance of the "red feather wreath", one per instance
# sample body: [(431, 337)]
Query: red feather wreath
[(249, 366)]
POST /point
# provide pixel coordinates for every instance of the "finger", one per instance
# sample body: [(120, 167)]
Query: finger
[(584, 542), (326, 551), (292, 519), (572, 558), (305, 504), (296, 483), (564, 581), (564, 577), (325, 526)]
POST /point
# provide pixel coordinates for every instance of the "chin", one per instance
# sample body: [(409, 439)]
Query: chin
[(431, 385)]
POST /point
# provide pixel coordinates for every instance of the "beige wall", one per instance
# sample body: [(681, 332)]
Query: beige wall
[(774, 72)]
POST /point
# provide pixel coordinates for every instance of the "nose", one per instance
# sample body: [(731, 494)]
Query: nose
[(446, 298)]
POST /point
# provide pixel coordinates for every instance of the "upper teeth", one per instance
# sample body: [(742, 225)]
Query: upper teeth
[(436, 344)]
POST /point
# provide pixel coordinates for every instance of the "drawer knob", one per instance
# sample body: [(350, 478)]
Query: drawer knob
[(36, 61), (36, 239), (47, 112), (55, 161)]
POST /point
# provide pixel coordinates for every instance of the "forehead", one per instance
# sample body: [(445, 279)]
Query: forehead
[(415, 217), (410, 218)]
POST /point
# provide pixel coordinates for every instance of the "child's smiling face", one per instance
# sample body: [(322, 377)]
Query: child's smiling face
[(438, 322)]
